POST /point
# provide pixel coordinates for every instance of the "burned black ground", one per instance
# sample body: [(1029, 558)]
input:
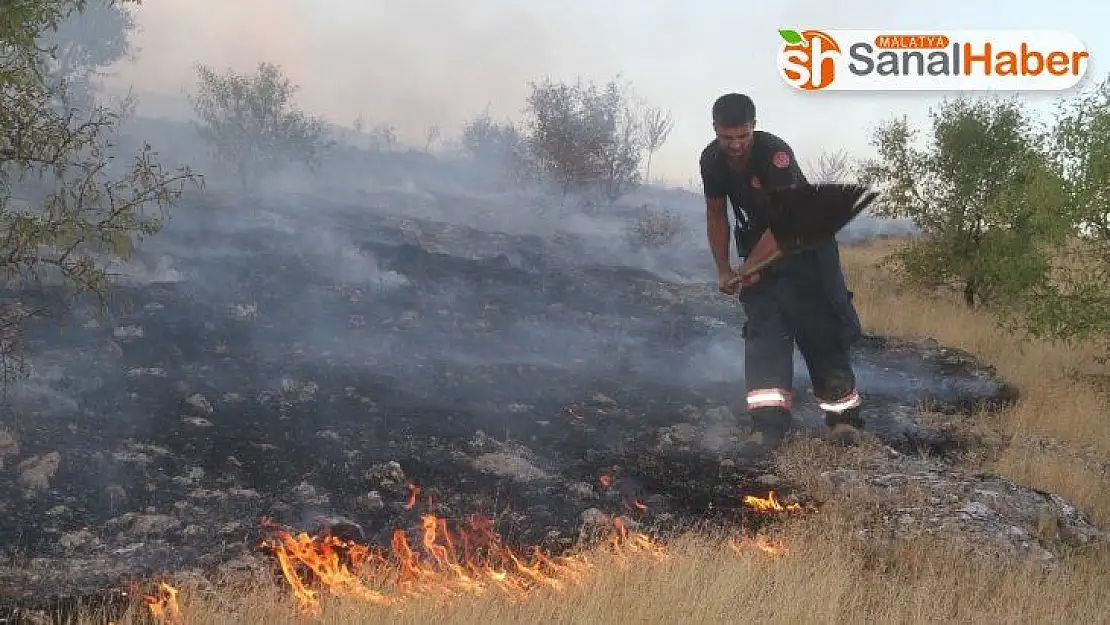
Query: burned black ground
[(504, 374)]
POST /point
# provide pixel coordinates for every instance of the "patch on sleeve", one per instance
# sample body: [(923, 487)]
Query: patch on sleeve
[(781, 160)]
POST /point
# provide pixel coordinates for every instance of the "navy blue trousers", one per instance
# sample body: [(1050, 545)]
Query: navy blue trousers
[(803, 300)]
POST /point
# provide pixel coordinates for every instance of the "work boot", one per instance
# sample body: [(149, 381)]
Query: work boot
[(770, 426), (845, 428)]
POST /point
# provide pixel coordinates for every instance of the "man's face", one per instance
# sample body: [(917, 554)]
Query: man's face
[(735, 140)]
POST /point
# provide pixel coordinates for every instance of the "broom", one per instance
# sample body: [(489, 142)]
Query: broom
[(800, 218)]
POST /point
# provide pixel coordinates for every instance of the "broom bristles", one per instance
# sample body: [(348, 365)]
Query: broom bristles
[(805, 216)]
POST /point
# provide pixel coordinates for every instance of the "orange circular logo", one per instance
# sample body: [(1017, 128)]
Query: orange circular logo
[(807, 59)]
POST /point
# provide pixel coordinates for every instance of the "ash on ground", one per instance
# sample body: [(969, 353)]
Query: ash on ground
[(503, 374)]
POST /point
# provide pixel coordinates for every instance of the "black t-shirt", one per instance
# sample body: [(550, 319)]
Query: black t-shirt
[(771, 164)]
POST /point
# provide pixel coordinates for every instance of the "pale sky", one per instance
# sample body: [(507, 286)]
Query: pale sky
[(415, 62)]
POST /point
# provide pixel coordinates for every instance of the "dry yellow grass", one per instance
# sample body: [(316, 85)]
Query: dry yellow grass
[(1057, 438), (1058, 433), (828, 576)]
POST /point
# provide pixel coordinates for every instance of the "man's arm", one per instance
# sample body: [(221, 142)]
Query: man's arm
[(715, 188), (717, 230)]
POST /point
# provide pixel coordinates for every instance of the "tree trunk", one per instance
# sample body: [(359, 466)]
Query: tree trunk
[(969, 292)]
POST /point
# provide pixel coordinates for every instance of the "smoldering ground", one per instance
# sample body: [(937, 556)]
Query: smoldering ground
[(311, 350)]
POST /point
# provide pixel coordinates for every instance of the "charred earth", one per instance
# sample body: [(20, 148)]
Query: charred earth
[(307, 363)]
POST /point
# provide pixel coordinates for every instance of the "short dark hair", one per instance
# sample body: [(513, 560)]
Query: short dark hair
[(733, 109)]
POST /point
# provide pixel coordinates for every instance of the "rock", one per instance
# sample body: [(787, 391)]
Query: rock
[(305, 493), (243, 493), (582, 490), (36, 472), (594, 519), (370, 502), (157, 372), (769, 480), (200, 404), (677, 434), (482, 443), (79, 540), (128, 332), (990, 511), (510, 465), (192, 476), (386, 475), (135, 526), (604, 400), (245, 311)]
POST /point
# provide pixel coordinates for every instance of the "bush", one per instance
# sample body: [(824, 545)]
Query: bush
[(253, 124), (655, 229)]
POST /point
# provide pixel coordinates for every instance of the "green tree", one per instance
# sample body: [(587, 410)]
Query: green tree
[(253, 123), (66, 205), (585, 137), (1081, 144), (984, 193), (85, 42)]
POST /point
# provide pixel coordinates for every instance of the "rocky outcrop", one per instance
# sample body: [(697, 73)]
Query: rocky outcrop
[(915, 496)]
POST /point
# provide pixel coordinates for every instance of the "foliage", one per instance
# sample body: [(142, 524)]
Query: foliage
[(1081, 145), (253, 124), (487, 139), (1015, 216), (83, 44), (499, 144), (585, 138), (64, 202), (981, 190)]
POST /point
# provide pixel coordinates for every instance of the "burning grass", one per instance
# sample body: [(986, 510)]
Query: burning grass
[(446, 565), (830, 574)]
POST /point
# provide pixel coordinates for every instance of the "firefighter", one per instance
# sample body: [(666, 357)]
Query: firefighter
[(801, 300)]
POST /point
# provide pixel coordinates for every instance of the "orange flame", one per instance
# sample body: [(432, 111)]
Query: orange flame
[(470, 560), (770, 546), (769, 505), (414, 492), (444, 563), (163, 605)]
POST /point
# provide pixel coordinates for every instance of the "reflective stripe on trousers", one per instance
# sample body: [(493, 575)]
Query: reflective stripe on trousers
[(849, 401), (768, 398)]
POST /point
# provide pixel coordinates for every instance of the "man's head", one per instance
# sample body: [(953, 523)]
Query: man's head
[(734, 123)]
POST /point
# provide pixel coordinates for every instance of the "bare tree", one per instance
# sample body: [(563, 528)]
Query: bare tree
[(657, 125), (431, 135), (383, 137), (833, 166)]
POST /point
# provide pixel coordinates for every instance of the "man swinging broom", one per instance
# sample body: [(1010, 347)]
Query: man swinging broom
[(791, 284)]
